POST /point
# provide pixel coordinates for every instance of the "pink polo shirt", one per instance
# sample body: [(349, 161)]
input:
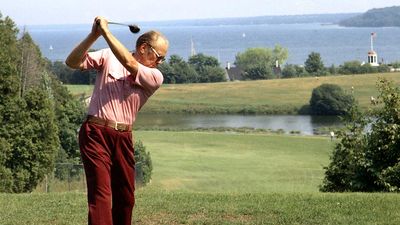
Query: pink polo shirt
[(118, 95)]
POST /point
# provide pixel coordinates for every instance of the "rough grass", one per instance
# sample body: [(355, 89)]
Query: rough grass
[(279, 96), (160, 207)]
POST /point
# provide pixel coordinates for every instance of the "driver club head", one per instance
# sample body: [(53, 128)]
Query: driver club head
[(132, 27)]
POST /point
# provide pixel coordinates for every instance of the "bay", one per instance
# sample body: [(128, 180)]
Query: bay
[(335, 44)]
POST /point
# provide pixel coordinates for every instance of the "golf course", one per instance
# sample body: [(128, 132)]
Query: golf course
[(228, 177)]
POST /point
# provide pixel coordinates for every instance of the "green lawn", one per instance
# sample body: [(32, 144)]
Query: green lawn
[(228, 162), (174, 207), (222, 178), (263, 96)]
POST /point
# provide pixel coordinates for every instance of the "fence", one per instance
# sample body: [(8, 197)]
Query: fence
[(66, 177)]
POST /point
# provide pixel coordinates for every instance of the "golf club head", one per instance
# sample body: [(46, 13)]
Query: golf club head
[(132, 27)]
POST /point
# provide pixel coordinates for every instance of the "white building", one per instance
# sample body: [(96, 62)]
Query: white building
[(372, 55), (373, 58)]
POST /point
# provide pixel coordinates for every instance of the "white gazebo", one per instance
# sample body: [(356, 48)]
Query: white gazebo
[(372, 55)]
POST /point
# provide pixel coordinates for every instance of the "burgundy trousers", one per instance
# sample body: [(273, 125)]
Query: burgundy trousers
[(108, 159)]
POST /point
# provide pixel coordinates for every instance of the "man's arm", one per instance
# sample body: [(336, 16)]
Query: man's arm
[(119, 50), (75, 58)]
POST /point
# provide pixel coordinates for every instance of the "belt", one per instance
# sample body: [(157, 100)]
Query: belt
[(109, 123)]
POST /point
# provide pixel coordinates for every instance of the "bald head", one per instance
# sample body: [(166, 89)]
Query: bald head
[(153, 38)]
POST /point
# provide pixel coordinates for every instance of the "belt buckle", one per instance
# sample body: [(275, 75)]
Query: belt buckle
[(116, 125)]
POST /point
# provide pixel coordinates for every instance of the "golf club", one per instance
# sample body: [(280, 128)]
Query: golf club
[(132, 27)]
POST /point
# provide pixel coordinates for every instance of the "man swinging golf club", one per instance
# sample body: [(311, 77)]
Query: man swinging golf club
[(124, 82)]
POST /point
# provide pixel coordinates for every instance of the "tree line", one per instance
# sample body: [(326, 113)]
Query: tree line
[(382, 17), (254, 64), (39, 116), (198, 69)]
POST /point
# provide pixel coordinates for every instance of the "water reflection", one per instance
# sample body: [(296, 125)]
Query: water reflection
[(304, 124)]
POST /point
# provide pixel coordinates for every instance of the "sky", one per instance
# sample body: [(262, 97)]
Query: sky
[(41, 12)]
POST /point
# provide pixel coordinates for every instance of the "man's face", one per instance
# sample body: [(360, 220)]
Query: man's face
[(154, 54)]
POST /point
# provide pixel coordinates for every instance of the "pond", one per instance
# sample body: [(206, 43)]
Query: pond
[(304, 124)]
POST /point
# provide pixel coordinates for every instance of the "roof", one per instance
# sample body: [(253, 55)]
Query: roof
[(235, 73)]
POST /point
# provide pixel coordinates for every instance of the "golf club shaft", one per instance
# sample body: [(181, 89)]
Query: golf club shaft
[(118, 23)]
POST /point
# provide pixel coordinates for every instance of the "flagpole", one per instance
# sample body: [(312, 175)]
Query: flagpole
[(372, 42)]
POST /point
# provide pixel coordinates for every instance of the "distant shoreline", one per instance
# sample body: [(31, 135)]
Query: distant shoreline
[(332, 18)]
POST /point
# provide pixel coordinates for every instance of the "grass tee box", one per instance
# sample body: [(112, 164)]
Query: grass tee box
[(278, 96), (159, 207)]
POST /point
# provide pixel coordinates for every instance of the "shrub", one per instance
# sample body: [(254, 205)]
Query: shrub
[(143, 166), (368, 160), (330, 99)]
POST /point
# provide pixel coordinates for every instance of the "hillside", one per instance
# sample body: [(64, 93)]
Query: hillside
[(382, 17), (278, 96)]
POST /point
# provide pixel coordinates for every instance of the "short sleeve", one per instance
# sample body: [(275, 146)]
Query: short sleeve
[(149, 78), (94, 60)]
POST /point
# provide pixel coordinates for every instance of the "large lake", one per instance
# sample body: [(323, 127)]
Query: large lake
[(304, 124)]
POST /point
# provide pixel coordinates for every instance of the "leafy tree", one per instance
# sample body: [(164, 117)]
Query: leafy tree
[(291, 71), (347, 166), (208, 68), (71, 76), (333, 70), (200, 61), (350, 67), (31, 63), (314, 64), (259, 73), (395, 64), (62, 71), (168, 73), (212, 74), (6, 179), (330, 99), (9, 58), (9, 91), (257, 63), (280, 54), (30, 138), (368, 160), (35, 149), (69, 113), (176, 70)]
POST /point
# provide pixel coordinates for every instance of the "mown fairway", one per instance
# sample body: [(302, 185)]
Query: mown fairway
[(222, 178), (263, 96), (243, 163)]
